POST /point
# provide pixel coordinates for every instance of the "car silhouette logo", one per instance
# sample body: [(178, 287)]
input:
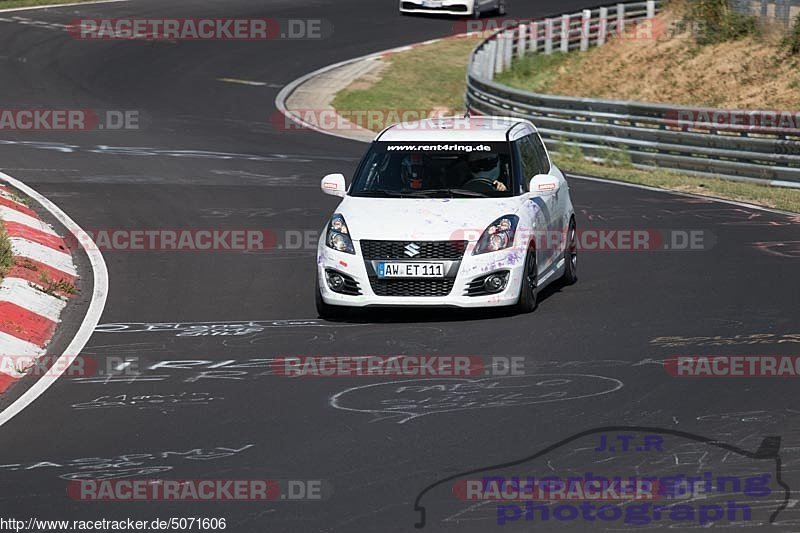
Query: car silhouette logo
[(411, 249)]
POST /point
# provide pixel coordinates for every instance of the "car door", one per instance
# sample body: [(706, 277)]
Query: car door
[(539, 207), (560, 221), (546, 231)]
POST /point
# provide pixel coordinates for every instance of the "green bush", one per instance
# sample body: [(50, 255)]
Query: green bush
[(5, 251), (718, 22), (792, 41)]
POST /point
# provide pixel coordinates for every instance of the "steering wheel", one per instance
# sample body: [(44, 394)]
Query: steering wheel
[(480, 185)]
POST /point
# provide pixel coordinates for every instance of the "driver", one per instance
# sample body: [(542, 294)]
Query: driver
[(486, 166), (412, 172)]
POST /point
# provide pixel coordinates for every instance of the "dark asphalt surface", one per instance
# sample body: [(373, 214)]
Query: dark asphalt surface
[(599, 342)]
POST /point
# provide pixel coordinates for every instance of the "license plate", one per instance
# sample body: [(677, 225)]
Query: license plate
[(431, 3), (410, 270)]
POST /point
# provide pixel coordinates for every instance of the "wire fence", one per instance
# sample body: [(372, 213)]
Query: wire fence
[(783, 11)]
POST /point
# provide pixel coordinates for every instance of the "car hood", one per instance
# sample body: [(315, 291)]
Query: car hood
[(432, 219)]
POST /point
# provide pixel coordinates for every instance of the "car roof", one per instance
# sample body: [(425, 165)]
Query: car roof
[(453, 129)]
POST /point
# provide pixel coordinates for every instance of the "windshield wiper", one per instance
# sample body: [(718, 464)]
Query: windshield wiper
[(380, 192), (458, 192)]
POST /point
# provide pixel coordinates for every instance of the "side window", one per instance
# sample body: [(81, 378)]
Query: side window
[(541, 154), (527, 156)]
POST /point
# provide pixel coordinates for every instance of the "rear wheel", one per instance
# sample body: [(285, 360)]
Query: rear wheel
[(326, 311), (529, 288), (571, 256)]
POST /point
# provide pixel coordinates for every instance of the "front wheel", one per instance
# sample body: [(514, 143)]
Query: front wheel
[(571, 256), (529, 288), (326, 311)]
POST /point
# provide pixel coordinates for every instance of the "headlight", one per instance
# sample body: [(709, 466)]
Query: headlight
[(338, 236), (498, 236)]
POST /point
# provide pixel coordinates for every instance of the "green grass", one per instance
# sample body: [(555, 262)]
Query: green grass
[(619, 168), (535, 72), (719, 22), (30, 3), (427, 77), (5, 251), (433, 76), (792, 40)]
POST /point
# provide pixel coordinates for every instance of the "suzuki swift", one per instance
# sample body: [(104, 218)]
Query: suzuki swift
[(456, 212)]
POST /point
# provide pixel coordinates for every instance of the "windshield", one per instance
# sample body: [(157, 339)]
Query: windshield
[(452, 170)]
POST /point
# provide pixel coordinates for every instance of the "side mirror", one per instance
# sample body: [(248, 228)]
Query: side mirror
[(544, 185), (333, 184)]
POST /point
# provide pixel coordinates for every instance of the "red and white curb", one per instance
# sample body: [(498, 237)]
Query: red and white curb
[(30, 308), (31, 300)]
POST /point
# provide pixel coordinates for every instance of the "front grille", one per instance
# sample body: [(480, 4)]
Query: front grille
[(446, 250), (411, 5), (412, 287)]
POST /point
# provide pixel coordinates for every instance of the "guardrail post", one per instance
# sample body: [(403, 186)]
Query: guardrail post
[(489, 61), (651, 8), (548, 36), (620, 19), (479, 64), (602, 32), (565, 27), (522, 44), (508, 48), (534, 37), (586, 25), (498, 55)]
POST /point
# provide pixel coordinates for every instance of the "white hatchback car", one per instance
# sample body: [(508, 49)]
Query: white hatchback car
[(464, 212), (473, 8)]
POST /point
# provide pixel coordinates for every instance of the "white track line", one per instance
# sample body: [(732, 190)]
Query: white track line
[(96, 305), (49, 6), (680, 193)]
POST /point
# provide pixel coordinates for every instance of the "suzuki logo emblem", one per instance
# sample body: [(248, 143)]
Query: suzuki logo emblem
[(411, 249)]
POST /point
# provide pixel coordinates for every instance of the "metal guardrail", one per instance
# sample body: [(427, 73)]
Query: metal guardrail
[(735, 144), (783, 11)]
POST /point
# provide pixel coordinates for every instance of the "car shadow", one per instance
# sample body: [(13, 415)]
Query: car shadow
[(407, 315)]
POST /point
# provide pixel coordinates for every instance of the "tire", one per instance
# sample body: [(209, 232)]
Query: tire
[(326, 311), (501, 8), (571, 256), (529, 288)]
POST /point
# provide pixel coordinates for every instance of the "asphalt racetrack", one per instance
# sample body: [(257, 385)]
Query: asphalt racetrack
[(201, 328)]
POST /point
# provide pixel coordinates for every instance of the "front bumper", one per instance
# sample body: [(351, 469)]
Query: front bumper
[(443, 8), (471, 267)]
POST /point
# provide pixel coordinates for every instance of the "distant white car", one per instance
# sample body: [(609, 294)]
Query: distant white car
[(464, 212), (473, 8)]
